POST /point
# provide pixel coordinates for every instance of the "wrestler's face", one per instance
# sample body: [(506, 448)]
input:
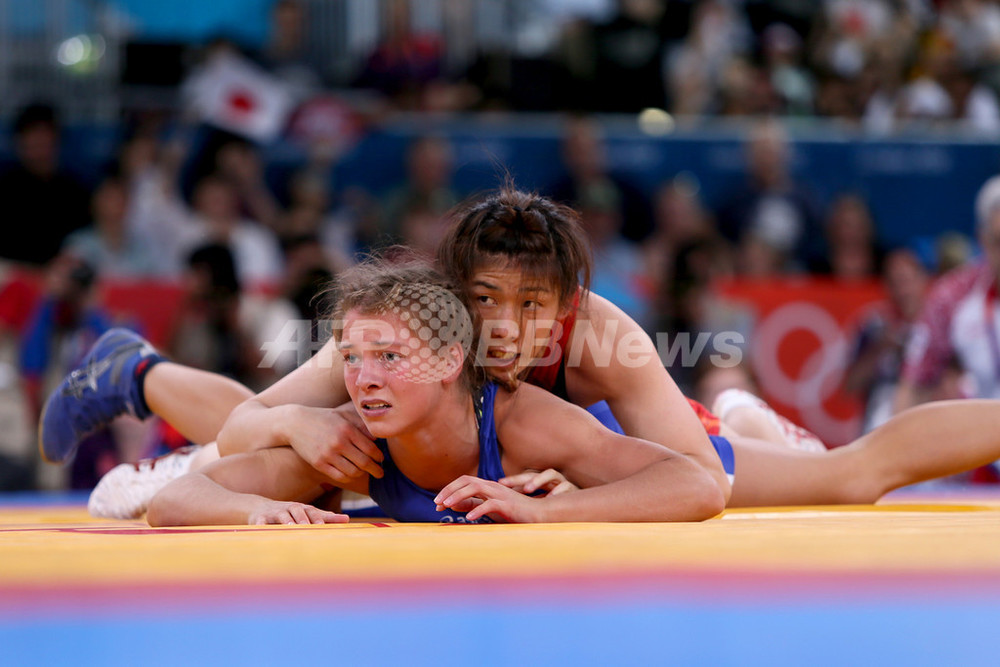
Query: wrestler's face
[(393, 377), (518, 319)]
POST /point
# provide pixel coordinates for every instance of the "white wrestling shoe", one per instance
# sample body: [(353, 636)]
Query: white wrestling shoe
[(125, 492), (796, 436)]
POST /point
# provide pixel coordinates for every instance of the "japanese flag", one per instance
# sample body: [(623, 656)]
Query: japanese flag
[(232, 93)]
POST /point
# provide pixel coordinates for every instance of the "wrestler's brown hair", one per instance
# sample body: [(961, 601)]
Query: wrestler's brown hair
[(412, 290)]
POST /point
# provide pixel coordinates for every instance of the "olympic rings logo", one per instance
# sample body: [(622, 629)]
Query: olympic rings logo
[(819, 377)]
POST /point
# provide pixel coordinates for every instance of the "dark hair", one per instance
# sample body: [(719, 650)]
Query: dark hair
[(218, 260), (34, 115), (426, 301), (82, 275), (525, 230)]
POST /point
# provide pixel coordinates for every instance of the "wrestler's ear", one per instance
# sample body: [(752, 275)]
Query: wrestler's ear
[(455, 361)]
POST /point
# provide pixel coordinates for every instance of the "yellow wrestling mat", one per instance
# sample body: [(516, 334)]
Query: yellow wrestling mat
[(50, 545), (933, 560)]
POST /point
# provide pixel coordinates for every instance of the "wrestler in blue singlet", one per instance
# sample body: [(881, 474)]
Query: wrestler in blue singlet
[(403, 500)]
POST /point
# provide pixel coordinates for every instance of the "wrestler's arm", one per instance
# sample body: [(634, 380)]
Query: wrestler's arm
[(624, 478), (309, 410), (640, 392), (253, 487)]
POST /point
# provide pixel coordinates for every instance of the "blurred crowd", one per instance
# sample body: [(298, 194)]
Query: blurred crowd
[(246, 253), (880, 64), (884, 65)]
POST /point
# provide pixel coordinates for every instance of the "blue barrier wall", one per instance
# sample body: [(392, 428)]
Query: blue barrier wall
[(916, 187)]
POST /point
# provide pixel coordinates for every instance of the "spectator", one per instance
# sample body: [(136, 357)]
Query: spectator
[(852, 31), (860, 50), (42, 202), (63, 326), (792, 82), (405, 64), (974, 105), (287, 55), (695, 310), (759, 258), (618, 269), (584, 158), (747, 91), (109, 245), (235, 159), (883, 79), (422, 229), (157, 215), (853, 251), (238, 161), (952, 249), (800, 16), (680, 221), (307, 282), (946, 89), (973, 26), (66, 322), (307, 277), (228, 187), (309, 215), (697, 68), (216, 218), (140, 152), (873, 373), (221, 329), (429, 169), (772, 211), (959, 319), (626, 73)]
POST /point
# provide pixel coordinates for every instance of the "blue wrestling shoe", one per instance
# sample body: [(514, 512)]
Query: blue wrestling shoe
[(105, 386)]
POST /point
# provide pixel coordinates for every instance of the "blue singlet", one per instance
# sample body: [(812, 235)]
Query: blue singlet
[(403, 500)]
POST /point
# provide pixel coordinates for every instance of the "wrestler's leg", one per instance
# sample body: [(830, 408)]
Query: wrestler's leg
[(194, 402), (123, 374), (125, 491), (929, 441), (741, 413), (205, 455)]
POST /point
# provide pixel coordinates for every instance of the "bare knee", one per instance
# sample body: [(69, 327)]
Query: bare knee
[(751, 422), (207, 454)]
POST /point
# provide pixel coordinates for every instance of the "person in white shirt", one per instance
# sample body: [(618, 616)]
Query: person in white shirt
[(215, 218)]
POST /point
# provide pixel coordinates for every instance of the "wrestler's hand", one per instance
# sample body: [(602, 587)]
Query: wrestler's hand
[(479, 497), (550, 482), (275, 511), (335, 442)]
